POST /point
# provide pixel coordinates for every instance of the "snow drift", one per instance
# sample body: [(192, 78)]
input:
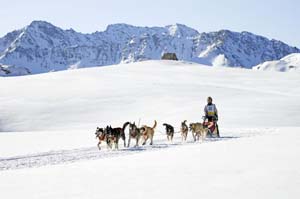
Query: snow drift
[(288, 63)]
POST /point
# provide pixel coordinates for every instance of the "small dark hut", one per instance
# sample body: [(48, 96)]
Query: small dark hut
[(169, 56)]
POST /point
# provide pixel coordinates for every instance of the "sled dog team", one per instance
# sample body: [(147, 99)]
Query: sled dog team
[(144, 133), (112, 135)]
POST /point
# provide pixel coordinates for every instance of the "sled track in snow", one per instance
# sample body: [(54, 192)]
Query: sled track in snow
[(90, 153), (93, 153)]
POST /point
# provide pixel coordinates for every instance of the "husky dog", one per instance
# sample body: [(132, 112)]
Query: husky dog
[(114, 135), (184, 130), (198, 130), (148, 133), (101, 135), (134, 132), (169, 131)]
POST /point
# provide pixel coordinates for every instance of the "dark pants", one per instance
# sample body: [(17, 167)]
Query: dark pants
[(210, 118)]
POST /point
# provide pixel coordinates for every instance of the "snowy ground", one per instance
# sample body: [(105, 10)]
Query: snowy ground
[(48, 148)]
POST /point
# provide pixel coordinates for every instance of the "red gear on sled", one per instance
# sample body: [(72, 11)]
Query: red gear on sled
[(213, 127)]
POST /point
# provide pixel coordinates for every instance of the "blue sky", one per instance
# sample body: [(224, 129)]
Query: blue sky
[(276, 19)]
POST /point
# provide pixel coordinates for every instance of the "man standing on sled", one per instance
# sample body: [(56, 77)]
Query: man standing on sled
[(211, 114)]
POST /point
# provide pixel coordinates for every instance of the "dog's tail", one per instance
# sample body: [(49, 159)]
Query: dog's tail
[(123, 136), (155, 124), (184, 121), (125, 125)]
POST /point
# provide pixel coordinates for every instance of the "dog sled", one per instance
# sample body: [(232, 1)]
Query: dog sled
[(213, 131), (199, 130)]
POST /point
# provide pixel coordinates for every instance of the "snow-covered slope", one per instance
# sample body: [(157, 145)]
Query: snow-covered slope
[(86, 97), (288, 63), (264, 166), (49, 120), (42, 47)]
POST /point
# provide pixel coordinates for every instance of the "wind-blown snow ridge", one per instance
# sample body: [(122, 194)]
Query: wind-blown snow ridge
[(42, 47), (288, 63)]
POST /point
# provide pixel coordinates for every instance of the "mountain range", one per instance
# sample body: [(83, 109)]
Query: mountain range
[(42, 47)]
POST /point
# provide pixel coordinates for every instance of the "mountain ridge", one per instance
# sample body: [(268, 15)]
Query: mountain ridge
[(42, 47)]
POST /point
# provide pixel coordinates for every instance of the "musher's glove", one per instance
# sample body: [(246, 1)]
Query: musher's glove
[(216, 117)]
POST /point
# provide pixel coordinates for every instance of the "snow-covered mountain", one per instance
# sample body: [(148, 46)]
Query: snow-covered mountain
[(42, 47), (288, 63)]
